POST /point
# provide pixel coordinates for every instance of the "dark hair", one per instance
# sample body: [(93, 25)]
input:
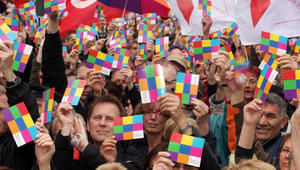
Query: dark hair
[(160, 147), (284, 139), (106, 99)]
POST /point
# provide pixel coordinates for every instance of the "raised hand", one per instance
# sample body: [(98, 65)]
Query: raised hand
[(163, 162), (66, 115), (108, 149)]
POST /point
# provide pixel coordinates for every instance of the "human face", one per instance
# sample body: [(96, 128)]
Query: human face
[(39, 102), (154, 120), (119, 79), (285, 153), (71, 41), (3, 105), (101, 123), (82, 74), (249, 87), (134, 49), (170, 75), (270, 123), (259, 53), (102, 22)]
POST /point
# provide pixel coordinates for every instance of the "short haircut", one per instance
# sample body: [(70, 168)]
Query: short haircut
[(251, 164), (274, 98), (106, 99)]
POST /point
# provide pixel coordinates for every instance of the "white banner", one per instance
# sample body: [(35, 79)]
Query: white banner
[(280, 17)]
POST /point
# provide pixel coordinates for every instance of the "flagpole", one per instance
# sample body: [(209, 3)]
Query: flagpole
[(124, 8)]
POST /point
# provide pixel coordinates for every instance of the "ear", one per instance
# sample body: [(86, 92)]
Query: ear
[(284, 121)]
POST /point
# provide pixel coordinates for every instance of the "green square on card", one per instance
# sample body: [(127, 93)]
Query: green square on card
[(198, 50), (174, 147), (75, 83), (185, 98), (16, 65), (47, 4), (265, 41), (15, 112), (91, 59), (150, 71), (118, 129), (289, 84), (259, 94)]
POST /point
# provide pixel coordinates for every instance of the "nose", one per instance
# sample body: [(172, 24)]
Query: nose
[(153, 115), (263, 121), (102, 122)]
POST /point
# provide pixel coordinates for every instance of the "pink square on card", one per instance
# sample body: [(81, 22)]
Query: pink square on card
[(26, 135), (137, 126), (187, 78), (282, 45), (107, 65), (269, 71), (21, 47), (197, 152), (215, 48), (70, 99), (153, 95)]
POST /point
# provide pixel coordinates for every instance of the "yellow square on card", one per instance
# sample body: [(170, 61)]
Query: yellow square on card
[(274, 37), (159, 82), (187, 140), (78, 92), (101, 56), (206, 43), (28, 120), (127, 120), (297, 74), (179, 88), (260, 80)]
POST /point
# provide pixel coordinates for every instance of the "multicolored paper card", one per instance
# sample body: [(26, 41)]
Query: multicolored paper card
[(91, 32), (190, 63), (152, 82), (20, 124), (186, 149), (162, 47), (100, 61), (12, 24), (121, 58), (163, 30), (6, 33), (47, 105), (98, 12), (145, 33), (273, 44), (42, 28), (143, 51), (74, 91), (205, 7), (227, 48), (271, 60), (206, 49), (187, 86), (52, 5), (119, 42), (30, 21), (230, 32), (119, 22), (241, 62), (186, 42), (264, 83), (81, 40), (64, 51), (291, 84), (63, 14), (297, 48), (216, 35), (21, 56), (128, 128), (27, 8), (149, 18)]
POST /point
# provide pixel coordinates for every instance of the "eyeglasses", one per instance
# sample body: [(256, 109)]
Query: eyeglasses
[(185, 167), (286, 151), (153, 112)]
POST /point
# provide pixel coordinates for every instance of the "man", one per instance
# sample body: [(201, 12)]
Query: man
[(100, 127), (263, 122)]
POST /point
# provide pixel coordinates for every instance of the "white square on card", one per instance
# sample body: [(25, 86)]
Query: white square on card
[(28, 49), (19, 139), (138, 134), (194, 161), (195, 79), (145, 96), (105, 71)]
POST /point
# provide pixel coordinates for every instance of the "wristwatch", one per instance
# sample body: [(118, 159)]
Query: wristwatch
[(189, 125)]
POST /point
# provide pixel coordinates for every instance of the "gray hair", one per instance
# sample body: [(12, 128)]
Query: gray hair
[(274, 98)]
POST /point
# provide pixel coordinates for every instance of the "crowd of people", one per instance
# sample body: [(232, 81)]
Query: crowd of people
[(240, 132)]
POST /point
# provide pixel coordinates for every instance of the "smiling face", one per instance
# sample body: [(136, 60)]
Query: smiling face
[(101, 122), (249, 87)]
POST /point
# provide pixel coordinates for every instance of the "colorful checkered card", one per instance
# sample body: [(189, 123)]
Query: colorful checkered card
[(162, 47), (21, 56), (42, 28), (190, 63), (12, 24), (63, 14), (186, 149), (74, 91), (152, 82), (52, 5), (205, 7), (297, 48), (100, 61), (215, 35), (206, 49), (6, 33), (20, 124), (127, 128), (120, 42), (269, 59), (92, 32), (144, 33), (119, 22), (27, 8), (230, 32), (47, 105), (187, 87), (121, 58), (186, 42), (291, 84), (264, 83), (81, 40), (227, 48), (98, 12), (163, 30), (143, 51), (149, 18), (273, 44)]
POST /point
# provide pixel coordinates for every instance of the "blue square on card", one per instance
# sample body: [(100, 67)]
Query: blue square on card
[(128, 128), (18, 56), (198, 142), (180, 77), (215, 42), (33, 132), (273, 43), (206, 49), (151, 83), (75, 100), (109, 58), (137, 118), (298, 84), (161, 91), (186, 88), (184, 149), (263, 84), (283, 39), (21, 124), (72, 92), (99, 62), (12, 36)]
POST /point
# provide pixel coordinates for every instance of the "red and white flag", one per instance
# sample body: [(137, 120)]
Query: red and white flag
[(189, 16), (280, 17)]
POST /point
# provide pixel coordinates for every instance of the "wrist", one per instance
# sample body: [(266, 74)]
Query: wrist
[(82, 146), (66, 129), (9, 75), (44, 165)]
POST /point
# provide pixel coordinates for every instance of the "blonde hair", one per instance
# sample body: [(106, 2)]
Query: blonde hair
[(111, 166), (170, 127), (2, 90), (250, 164)]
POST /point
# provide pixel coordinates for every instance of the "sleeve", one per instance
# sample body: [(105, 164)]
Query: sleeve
[(133, 95), (21, 92), (53, 67), (63, 156), (216, 107), (91, 158), (209, 159), (211, 89), (242, 153)]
